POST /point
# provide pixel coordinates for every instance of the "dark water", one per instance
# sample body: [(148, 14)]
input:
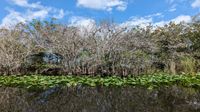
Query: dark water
[(100, 99)]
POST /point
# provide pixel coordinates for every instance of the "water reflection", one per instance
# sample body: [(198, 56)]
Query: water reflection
[(100, 99)]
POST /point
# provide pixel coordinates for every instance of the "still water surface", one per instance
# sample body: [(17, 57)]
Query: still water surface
[(100, 99)]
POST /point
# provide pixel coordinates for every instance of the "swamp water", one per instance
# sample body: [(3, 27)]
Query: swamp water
[(100, 99)]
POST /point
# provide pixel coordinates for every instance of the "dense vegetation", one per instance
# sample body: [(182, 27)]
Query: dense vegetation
[(106, 49), (38, 82)]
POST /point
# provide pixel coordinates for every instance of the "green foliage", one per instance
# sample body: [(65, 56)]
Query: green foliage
[(37, 82)]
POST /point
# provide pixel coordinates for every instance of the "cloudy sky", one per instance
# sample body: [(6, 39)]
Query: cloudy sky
[(84, 12)]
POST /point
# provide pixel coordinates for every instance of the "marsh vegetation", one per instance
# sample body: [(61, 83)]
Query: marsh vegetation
[(106, 49)]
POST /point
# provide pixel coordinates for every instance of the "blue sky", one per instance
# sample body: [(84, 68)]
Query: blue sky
[(84, 12)]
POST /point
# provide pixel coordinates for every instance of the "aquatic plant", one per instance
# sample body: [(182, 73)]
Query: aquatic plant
[(149, 81)]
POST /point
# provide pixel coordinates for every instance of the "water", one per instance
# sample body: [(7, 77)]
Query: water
[(100, 99)]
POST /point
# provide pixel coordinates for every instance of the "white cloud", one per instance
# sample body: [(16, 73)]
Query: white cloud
[(177, 20), (60, 15), (137, 21), (107, 5), (182, 18), (161, 23), (32, 11), (170, 1), (175, 1), (15, 17), (196, 4), (24, 3), (149, 19), (154, 15), (20, 2), (78, 21), (12, 18), (41, 14), (141, 21), (84, 24), (172, 9)]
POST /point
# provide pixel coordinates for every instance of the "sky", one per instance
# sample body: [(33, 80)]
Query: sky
[(86, 12)]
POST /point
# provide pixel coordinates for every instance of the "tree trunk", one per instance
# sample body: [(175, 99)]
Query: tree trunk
[(172, 67)]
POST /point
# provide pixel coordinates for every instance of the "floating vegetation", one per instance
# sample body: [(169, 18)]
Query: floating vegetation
[(38, 82)]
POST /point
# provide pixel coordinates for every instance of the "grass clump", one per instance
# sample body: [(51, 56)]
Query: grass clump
[(188, 64), (37, 82)]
